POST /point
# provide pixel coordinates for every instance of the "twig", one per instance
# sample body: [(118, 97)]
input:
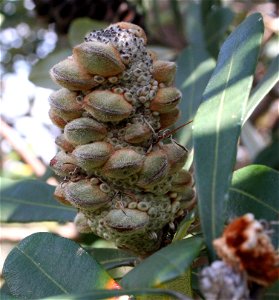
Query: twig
[(14, 139)]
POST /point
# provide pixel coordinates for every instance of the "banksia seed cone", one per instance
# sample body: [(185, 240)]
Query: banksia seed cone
[(125, 182)]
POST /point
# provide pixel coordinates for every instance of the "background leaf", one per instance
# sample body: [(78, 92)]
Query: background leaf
[(216, 25), (254, 189), (193, 24), (217, 123), (269, 155), (194, 68), (184, 226), (44, 265), (40, 71), (206, 7), (272, 293), (263, 87), (164, 265), (31, 201), (82, 26)]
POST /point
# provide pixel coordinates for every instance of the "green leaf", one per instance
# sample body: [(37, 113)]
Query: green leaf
[(254, 189), (183, 227), (217, 123), (269, 155), (5, 293), (4, 296), (263, 87), (105, 294), (193, 23), (272, 293), (31, 201), (111, 258), (81, 27), (164, 265), (40, 71), (217, 23), (207, 6), (194, 68), (44, 265)]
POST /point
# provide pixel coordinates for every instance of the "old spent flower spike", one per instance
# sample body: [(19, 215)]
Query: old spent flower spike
[(121, 174), (249, 262)]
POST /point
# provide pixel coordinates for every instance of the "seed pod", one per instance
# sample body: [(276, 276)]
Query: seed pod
[(63, 103), (84, 130), (98, 58), (135, 29), (63, 164), (126, 220), (154, 170), (59, 194), (183, 177), (164, 71), (84, 195), (81, 223), (107, 106), (181, 180), (69, 75), (153, 55), (166, 99), (137, 133), (186, 195), (64, 144), (123, 163), (91, 156), (56, 119), (177, 156), (169, 118)]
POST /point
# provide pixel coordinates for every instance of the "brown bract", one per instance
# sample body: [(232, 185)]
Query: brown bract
[(245, 246)]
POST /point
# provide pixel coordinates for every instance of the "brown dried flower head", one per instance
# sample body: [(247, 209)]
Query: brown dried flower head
[(245, 246)]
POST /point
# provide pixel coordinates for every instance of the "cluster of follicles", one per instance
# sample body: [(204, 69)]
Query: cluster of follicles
[(119, 170)]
